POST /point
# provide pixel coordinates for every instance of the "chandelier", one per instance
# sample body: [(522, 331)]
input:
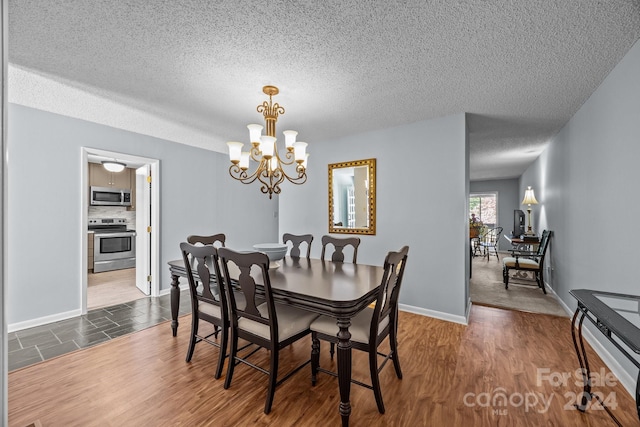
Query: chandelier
[(264, 151)]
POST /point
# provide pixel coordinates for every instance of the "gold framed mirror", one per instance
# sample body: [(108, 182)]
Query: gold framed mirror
[(352, 197)]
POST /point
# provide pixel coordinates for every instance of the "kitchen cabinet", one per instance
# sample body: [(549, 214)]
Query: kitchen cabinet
[(90, 252), (100, 177)]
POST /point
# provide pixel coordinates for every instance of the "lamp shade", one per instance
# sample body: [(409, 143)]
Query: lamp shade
[(300, 151), (267, 145), (113, 166), (289, 138), (254, 133), (235, 150), (529, 197)]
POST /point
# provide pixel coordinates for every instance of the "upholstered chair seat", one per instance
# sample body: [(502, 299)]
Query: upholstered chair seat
[(291, 321), (521, 263), (360, 325)]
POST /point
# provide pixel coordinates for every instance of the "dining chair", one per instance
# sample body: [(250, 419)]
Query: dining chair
[(528, 261), (217, 240), (296, 240), (260, 320), (206, 304), (369, 328), (339, 244), (489, 241), (338, 256)]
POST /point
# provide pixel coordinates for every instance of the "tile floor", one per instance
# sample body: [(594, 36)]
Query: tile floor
[(34, 345)]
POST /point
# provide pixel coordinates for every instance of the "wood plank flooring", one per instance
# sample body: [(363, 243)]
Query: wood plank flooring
[(142, 379)]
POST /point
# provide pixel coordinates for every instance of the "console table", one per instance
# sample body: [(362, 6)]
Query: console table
[(519, 244), (617, 316)]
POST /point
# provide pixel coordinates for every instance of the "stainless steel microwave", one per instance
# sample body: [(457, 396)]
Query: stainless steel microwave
[(107, 196)]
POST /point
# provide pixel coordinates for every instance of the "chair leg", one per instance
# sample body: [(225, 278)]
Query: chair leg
[(273, 376), (194, 331), (505, 277), (375, 380), (393, 342), (315, 356), (233, 351), (332, 350), (540, 280), (224, 335)]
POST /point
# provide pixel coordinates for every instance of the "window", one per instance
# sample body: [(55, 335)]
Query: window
[(485, 207)]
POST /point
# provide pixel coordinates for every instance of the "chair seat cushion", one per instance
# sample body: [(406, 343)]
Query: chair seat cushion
[(291, 321), (523, 263), (359, 329), (210, 309)]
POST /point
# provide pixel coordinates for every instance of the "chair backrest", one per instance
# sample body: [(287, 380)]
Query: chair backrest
[(492, 236), (387, 301), (297, 240), (544, 243), (339, 244), (208, 240), (204, 259), (246, 270), (216, 240)]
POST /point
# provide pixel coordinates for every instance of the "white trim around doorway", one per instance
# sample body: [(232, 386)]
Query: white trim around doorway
[(154, 165)]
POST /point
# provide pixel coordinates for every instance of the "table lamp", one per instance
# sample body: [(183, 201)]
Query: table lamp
[(529, 199)]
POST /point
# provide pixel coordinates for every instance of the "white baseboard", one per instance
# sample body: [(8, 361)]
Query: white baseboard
[(436, 314), (183, 287), (13, 327), (627, 381)]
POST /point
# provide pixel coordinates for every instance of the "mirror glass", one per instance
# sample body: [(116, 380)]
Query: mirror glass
[(352, 197)]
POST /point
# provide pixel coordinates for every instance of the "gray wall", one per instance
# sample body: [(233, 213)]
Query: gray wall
[(585, 183), (508, 200), (3, 129), (44, 149), (421, 202)]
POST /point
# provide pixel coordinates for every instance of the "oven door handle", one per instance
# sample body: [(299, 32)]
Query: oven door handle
[(123, 234)]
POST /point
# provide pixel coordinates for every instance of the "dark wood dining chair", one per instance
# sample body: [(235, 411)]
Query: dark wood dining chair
[(528, 261), (296, 240), (206, 304), (369, 328), (260, 320), (339, 244), (217, 240)]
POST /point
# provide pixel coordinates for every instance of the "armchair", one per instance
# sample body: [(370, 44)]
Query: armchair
[(528, 261)]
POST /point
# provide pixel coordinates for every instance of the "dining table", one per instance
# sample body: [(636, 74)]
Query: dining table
[(335, 289)]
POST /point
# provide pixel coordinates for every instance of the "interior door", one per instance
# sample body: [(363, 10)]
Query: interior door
[(143, 229)]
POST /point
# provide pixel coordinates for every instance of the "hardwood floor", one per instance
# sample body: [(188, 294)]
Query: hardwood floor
[(112, 288), (142, 379)]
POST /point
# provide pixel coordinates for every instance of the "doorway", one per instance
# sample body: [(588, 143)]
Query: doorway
[(141, 278)]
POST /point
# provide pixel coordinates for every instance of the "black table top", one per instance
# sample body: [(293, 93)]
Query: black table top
[(619, 313)]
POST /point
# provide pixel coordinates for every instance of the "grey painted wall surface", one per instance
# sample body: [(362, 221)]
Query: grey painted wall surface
[(197, 197), (585, 183), (508, 200), (421, 202)]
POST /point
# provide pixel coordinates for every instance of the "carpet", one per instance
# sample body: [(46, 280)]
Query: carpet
[(486, 288)]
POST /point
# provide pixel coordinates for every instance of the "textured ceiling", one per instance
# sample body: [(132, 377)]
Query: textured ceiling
[(521, 68)]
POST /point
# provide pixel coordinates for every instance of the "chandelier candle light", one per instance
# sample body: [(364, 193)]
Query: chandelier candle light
[(529, 199), (264, 151)]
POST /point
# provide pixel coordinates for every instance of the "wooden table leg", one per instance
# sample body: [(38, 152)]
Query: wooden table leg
[(175, 303), (344, 368)]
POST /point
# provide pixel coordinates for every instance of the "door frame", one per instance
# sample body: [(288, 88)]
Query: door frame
[(154, 165)]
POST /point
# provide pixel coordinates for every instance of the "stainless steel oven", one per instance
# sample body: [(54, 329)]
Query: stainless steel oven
[(114, 247)]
